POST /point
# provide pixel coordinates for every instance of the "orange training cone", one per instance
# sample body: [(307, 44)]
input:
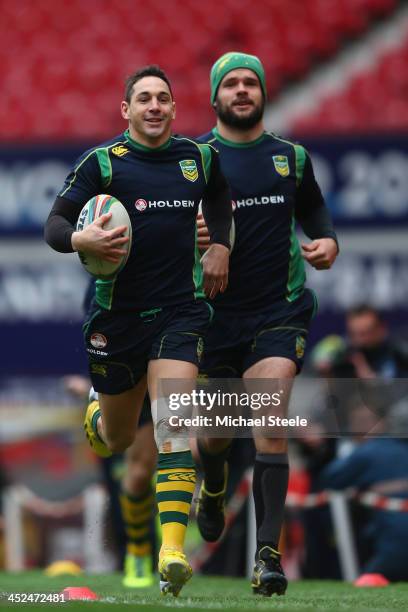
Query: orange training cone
[(72, 593), (371, 580)]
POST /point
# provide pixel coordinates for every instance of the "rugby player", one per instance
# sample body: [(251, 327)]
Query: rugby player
[(261, 322), (153, 316), (128, 480)]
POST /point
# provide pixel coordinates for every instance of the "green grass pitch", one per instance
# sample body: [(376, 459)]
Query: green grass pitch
[(204, 593)]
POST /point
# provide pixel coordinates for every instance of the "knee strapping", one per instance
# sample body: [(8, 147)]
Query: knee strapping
[(169, 438)]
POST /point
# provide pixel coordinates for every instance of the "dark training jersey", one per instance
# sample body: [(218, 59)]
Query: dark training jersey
[(161, 189), (273, 186)]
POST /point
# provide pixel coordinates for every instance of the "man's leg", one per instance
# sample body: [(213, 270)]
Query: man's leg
[(175, 481), (213, 453), (111, 420), (137, 506), (270, 484)]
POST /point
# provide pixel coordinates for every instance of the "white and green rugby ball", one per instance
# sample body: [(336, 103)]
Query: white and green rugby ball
[(93, 209)]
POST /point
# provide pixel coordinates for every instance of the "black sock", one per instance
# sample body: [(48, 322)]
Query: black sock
[(270, 485), (213, 468)]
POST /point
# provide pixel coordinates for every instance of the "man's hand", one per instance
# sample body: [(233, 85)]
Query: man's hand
[(215, 267), (361, 365), (320, 253), (203, 237), (102, 243)]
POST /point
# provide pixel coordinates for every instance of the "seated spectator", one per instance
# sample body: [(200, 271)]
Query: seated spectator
[(379, 465)]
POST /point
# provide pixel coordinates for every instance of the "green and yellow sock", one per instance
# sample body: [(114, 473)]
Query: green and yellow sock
[(137, 512), (174, 492)]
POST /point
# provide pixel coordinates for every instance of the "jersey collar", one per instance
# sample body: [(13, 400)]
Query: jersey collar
[(139, 147), (238, 145)]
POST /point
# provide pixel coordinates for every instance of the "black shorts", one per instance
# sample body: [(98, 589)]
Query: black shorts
[(120, 345), (146, 412), (235, 342)]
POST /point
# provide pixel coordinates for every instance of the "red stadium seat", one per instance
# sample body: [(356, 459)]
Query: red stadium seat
[(73, 56), (374, 100)]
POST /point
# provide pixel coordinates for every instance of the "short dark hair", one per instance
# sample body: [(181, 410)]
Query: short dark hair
[(145, 71), (362, 309)]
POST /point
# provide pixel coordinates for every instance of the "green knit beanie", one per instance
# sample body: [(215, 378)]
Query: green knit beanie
[(232, 61)]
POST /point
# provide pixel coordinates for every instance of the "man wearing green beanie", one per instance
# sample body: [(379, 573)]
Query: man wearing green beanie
[(232, 61), (262, 320)]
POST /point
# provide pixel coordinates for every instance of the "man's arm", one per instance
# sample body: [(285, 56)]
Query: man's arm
[(345, 472), (315, 219), (60, 233), (60, 225), (81, 185), (217, 212), (216, 204)]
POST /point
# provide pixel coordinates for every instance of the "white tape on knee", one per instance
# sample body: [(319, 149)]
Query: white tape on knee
[(93, 395), (168, 439)]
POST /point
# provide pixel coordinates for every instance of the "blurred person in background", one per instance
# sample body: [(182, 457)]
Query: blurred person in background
[(262, 320), (371, 350), (154, 312), (370, 357), (378, 465)]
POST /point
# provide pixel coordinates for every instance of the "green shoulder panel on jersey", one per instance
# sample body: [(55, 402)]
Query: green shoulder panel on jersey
[(102, 155), (300, 162), (197, 272), (206, 155), (105, 166), (205, 152), (296, 272), (104, 292)]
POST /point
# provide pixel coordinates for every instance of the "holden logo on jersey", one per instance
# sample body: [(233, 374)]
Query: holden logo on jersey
[(189, 169), (98, 340), (120, 150), (234, 205), (141, 204), (281, 164)]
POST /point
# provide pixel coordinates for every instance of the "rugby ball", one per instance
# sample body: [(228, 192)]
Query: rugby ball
[(93, 209), (232, 230)]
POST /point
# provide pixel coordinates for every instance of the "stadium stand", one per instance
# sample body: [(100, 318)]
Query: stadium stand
[(73, 56), (374, 100)]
